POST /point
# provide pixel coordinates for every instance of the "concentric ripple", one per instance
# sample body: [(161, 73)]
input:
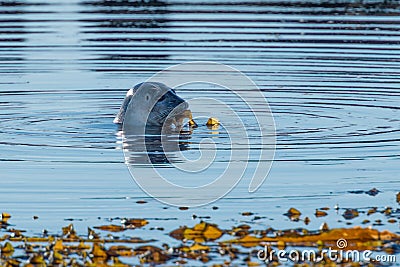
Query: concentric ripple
[(329, 70)]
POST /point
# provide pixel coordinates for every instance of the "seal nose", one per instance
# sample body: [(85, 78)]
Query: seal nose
[(182, 103), (175, 100)]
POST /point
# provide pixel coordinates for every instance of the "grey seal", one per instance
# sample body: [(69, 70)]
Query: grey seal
[(149, 104)]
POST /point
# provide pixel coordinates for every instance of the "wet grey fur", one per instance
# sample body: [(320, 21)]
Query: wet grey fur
[(149, 104)]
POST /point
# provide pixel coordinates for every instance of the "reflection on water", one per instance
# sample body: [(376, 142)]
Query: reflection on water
[(154, 149), (133, 17), (12, 30), (128, 6), (325, 7), (155, 10), (157, 147)]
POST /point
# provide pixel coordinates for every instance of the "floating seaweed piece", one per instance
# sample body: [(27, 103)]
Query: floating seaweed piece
[(98, 251), (212, 122), (192, 123), (358, 192), (111, 228), (350, 214), (92, 234), (372, 192), (5, 216), (324, 227), (37, 260), (4, 220), (7, 248), (320, 213), (151, 254), (200, 232), (387, 211), (69, 232), (134, 223), (12, 263), (240, 231), (293, 211), (58, 246), (120, 250), (372, 211), (293, 214), (195, 247)]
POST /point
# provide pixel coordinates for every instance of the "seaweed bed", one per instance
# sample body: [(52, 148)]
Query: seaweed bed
[(204, 243)]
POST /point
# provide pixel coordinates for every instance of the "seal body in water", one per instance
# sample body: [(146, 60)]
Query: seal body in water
[(149, 104)]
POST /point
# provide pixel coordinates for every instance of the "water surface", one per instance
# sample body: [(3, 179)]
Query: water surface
[(329, 70)]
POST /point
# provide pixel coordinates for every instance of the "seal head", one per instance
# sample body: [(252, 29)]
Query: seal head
[(150, 104)]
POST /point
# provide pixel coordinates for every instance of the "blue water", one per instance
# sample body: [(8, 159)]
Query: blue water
[(328, 70)]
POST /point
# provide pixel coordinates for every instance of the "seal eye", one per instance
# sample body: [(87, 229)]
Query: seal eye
[(147, 97)]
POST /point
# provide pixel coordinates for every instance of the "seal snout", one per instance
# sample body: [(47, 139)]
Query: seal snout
[(178, 103)]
